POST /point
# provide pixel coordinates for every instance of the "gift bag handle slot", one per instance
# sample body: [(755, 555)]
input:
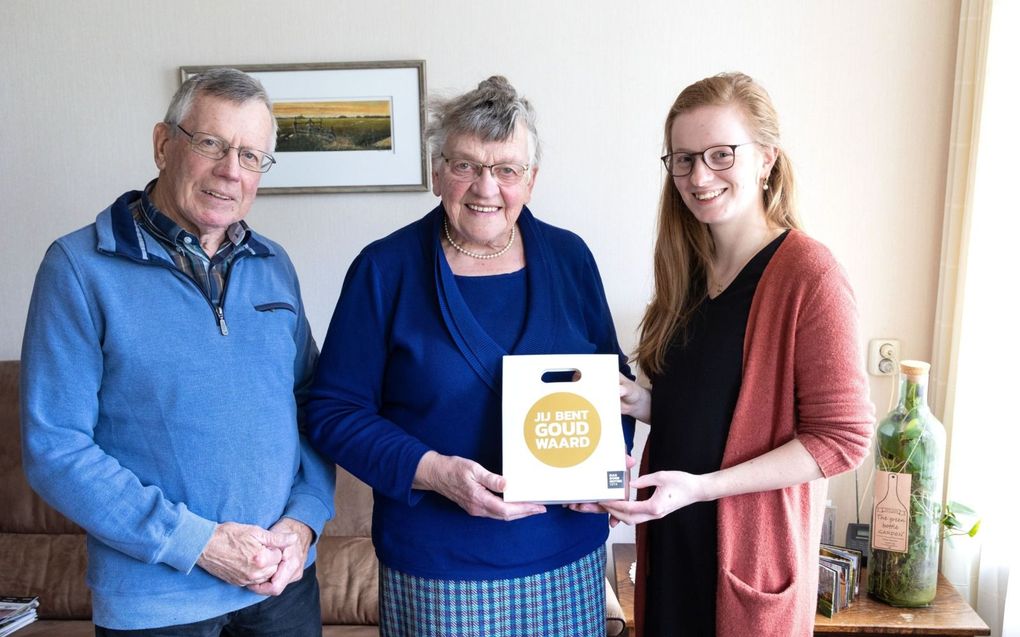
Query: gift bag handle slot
[(561, 376)]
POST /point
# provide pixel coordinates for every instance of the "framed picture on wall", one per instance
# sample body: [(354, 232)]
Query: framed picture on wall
[(344, 126)]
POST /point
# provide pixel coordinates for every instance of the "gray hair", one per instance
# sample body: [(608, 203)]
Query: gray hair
[(490, 112), (224, 83)]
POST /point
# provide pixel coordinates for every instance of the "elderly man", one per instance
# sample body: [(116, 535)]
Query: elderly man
[(165, 364)]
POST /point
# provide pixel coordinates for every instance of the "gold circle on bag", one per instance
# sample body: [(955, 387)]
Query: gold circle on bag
[(562, 429)]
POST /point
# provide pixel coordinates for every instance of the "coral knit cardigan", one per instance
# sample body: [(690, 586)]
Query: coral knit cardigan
[(803, 378)]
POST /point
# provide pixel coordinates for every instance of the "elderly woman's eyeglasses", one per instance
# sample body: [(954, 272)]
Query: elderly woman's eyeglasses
[(213, 147), (717, 158), (469, 171)]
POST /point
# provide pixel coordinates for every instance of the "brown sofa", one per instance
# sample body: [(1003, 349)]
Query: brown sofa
[(42, 553)]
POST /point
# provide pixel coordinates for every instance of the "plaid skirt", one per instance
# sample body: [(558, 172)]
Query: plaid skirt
[(570, 600)]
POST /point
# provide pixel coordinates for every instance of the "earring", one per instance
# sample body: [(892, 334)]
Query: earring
[(764, 185)]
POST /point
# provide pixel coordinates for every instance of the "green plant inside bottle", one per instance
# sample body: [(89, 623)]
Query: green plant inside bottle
[(911, 441)]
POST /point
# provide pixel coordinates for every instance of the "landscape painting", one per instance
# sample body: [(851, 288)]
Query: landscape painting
[(344, 126), (334, 125)]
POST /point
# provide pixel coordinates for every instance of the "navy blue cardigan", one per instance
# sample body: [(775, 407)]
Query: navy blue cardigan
[(406, 368)]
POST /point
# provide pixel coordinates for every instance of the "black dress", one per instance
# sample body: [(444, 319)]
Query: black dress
[(692, 405)]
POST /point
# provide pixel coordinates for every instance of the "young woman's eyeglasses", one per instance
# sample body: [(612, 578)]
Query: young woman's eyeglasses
[(213, 147), (717, 158), (469, 171)]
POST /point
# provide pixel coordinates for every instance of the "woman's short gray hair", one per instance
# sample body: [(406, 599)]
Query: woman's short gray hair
[(224, 83), (491, 113)]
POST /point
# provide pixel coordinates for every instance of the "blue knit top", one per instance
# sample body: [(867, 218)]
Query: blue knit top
[(499, 303)]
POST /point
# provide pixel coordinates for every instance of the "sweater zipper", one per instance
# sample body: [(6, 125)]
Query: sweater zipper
[(218, 316), (223, 322), (223, 297)]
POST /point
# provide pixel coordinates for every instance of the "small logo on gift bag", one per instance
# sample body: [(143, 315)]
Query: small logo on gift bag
[(615, 479)]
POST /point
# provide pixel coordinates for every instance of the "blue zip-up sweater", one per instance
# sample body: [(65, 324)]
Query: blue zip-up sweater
[(406, 368), (146, 425)]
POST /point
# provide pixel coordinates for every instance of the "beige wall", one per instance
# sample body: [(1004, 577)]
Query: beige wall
[(864, 89)]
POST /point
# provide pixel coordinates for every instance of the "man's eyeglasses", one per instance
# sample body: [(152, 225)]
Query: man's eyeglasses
[(468, 171), (717, 158), (213, 147)]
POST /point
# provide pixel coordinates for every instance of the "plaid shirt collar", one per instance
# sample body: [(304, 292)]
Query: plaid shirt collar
[(173, 236)]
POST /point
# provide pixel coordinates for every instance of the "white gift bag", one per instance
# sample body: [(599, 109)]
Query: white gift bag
[(562, 437)]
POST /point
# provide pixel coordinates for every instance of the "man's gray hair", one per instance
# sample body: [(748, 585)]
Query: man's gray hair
[(224, 83), (491, 113)]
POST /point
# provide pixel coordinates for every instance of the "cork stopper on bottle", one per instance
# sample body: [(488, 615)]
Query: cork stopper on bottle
[(915, 369)]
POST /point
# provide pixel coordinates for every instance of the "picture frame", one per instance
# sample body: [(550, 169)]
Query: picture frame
[(344, 126)]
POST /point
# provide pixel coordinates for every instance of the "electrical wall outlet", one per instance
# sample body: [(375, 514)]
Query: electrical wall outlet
[(883, 356)]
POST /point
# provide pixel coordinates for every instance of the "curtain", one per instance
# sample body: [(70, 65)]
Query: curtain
[(976, 343)]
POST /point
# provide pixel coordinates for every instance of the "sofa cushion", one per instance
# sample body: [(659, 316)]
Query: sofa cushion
[(353, 501), (350, 631), (52, 628), (50, 566), (348, 580), (42, 553), (24, 511)]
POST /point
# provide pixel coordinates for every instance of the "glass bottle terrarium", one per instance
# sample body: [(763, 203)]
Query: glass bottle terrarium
[(906, 520)]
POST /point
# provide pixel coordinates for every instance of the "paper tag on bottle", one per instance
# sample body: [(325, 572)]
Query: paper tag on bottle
[(891, 518)]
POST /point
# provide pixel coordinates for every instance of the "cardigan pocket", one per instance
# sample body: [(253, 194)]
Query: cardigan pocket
[(741, 606)]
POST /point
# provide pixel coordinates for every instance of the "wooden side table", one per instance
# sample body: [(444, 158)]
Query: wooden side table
[(948, 616)]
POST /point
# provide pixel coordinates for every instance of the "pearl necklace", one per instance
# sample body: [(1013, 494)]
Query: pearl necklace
[(478, 255)]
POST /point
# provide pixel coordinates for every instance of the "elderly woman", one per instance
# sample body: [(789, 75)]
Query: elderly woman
[(407, 395)]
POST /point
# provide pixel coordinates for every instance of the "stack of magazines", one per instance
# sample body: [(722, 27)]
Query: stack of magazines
[(839, 577), (16, 612)]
